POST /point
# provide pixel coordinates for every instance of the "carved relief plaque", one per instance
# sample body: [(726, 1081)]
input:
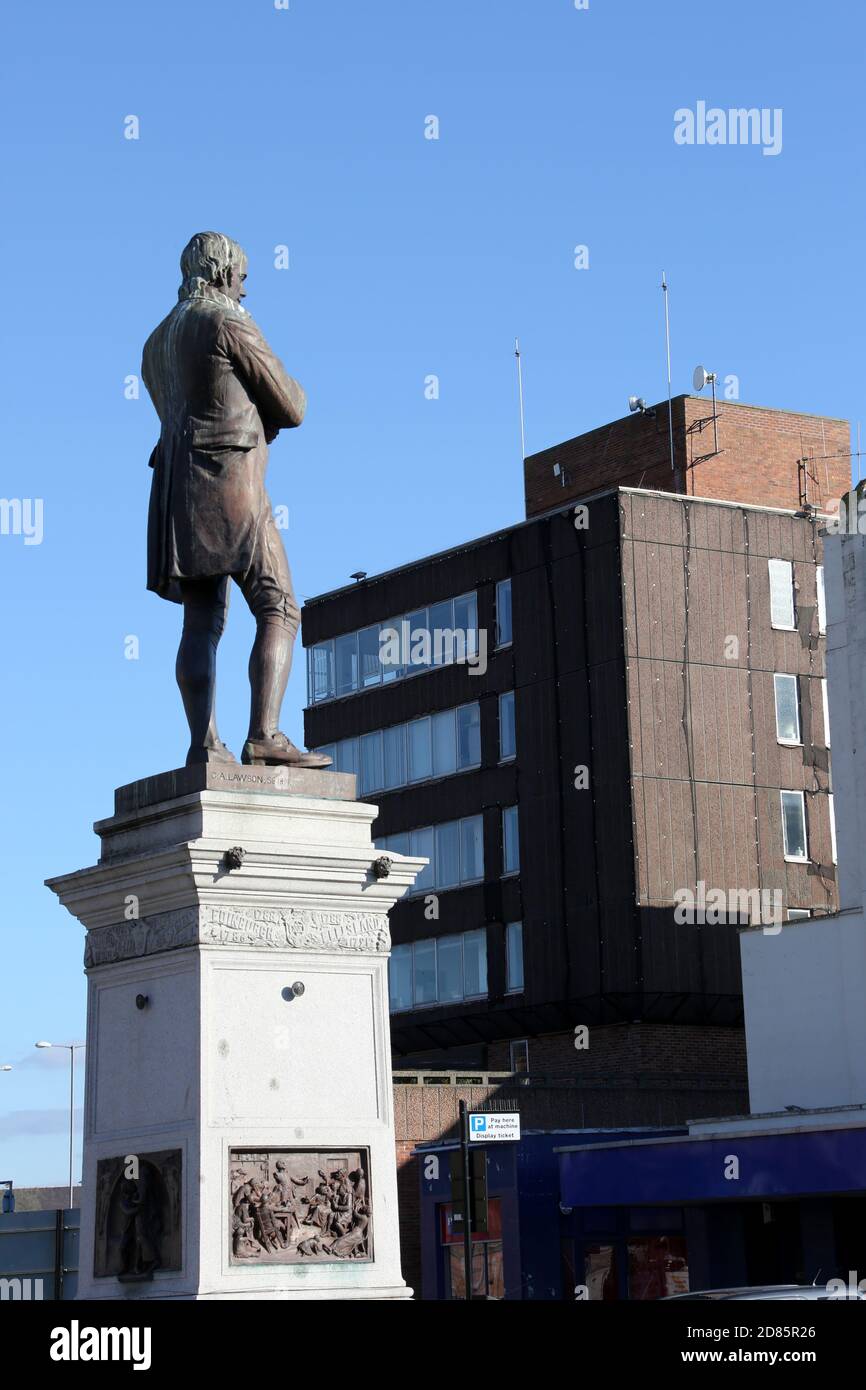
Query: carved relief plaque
[(138, 1201), (297, 1206)]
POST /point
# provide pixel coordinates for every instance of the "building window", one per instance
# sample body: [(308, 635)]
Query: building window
[(787, 691), (519, 1057), (794, 826), (438, 970), (826, 705), (455, 850), (798, 914), (832, 825), (822, 601), (404, 646), (507, 732), (434, 746), (510, 841), (782, 594), (503, 613), (514, 957)]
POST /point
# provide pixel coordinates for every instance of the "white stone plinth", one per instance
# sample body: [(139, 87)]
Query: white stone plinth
[(195, 1040)]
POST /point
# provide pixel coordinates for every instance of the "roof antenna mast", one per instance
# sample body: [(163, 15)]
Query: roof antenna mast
[(520, 395), (668, 355)]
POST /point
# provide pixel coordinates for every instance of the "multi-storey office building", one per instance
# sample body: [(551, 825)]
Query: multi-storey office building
[(593, 724)]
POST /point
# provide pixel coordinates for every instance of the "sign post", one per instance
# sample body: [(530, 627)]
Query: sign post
[(467, 1202), (493, 1127)]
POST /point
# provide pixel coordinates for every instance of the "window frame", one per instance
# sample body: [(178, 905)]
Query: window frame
[(789, 566), (821, 594), (508, 641), (832, 810), (506, 871), (517, 929), (508, 757), (794, 858), (788, 676)]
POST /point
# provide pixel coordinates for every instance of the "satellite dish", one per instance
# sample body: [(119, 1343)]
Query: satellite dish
[(700, 377)]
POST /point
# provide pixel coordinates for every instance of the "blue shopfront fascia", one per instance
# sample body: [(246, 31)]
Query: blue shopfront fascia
[(691, 1168)]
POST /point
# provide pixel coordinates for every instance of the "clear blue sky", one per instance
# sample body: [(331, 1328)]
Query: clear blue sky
[(408, 257)]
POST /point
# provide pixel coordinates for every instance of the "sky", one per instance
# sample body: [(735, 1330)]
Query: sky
[(306, 127)]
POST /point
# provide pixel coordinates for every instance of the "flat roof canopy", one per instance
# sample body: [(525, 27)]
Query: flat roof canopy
[(674, 1171)]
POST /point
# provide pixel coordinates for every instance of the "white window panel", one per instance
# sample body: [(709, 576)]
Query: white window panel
[(822, 600), (832, 825), (826, 704), (787, 693), (782, 613), (798, 914), (794, 826)]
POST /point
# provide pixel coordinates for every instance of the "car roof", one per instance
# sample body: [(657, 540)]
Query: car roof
[(812, 1292)]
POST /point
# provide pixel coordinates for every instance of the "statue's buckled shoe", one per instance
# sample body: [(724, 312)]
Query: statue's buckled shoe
[(279, 751)]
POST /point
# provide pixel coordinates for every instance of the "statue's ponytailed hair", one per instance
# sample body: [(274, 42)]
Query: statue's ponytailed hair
[(204, 258)]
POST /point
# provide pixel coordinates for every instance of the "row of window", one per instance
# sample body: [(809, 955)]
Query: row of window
[(437, 635), (455, 850), (794, 830), (783, 603), (449, 969), (787, 694), (389, 651), (436, 745)]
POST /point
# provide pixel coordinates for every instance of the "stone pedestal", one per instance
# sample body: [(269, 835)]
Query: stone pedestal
[(238, 1132)]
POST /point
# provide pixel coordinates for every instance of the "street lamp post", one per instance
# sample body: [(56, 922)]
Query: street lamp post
[(71, 1050)]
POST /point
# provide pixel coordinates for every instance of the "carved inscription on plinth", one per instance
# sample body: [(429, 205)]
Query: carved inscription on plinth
[(295, 1206), (269, 929)]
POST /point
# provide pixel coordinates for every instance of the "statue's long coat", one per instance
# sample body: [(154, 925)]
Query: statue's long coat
[(221, 396)]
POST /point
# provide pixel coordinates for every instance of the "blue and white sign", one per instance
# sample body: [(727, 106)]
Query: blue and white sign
[(496, 1128)]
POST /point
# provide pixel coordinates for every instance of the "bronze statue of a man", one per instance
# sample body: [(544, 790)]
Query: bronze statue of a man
[(222, 396)]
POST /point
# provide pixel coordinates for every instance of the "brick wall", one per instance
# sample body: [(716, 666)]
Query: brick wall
[(649, 1051), (756, 460), (759, 449)]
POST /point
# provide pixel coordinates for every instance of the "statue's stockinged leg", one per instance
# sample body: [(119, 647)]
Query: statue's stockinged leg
[(205, 603), (267, 588)]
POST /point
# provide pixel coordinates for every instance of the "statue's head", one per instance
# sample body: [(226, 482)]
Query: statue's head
[(213, 259)]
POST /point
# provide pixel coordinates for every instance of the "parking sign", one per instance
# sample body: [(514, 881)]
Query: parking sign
[(496, 1128)]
